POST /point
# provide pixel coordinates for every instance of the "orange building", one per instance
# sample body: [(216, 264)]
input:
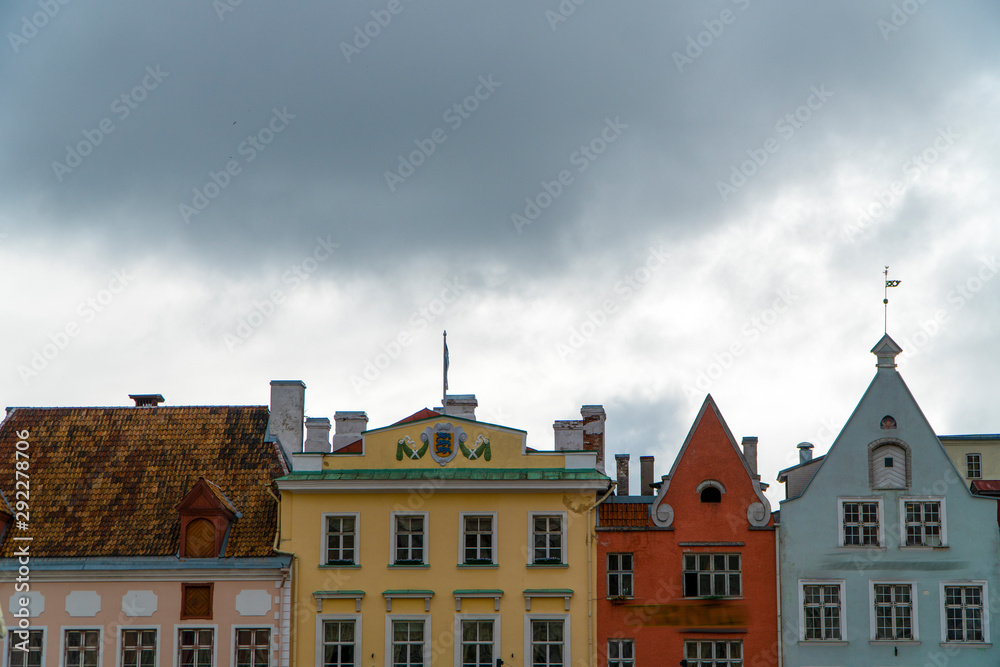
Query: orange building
[(688, 574)]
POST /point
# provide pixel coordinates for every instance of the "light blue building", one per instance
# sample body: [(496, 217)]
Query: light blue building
[(886, 557)]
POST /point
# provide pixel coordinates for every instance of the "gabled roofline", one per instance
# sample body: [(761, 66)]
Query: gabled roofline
[(439, 417), (784, 473), (710, 402)]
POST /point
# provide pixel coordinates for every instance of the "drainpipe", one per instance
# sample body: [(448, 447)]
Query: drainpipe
[(291, 575), (777, 574), (591, 536)]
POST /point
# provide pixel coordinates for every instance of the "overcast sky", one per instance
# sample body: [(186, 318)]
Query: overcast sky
[(625, 204)]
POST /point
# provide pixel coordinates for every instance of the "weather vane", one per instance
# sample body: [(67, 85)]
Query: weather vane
[(885, 299)]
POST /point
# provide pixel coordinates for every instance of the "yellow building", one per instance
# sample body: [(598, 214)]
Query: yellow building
[(977, 457), (441, 540)]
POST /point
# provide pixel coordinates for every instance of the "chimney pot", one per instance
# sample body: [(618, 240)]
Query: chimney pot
[(805, 452), (646, 476), (621, 463)]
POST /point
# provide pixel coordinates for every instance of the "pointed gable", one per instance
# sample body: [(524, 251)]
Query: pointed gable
[(709, 477)]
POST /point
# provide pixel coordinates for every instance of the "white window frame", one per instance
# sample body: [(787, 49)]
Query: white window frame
[(843, 609), (82, 628), (194, 625), (979, 465), (914, 618), (461, 539), (840, 521), (120, 637), (324, 531), (902, 520), (390, 618), (630, 662), (320, 635), (709, 640), (459, 618), (11, 629), (392, 539), (272, 644), (728, 573), (567, 639), (619, 573), (986, 613), (531, 536)]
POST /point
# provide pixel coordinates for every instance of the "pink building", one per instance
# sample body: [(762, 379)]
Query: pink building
[(142, 537)]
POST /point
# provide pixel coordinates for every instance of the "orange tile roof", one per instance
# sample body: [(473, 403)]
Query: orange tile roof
[(107, 481), (631, 515)]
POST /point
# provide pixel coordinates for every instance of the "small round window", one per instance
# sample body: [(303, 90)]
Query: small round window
[(888, 422)]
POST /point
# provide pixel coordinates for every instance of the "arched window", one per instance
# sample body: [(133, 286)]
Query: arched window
[(710, 494), (888, 422), (200, 539)]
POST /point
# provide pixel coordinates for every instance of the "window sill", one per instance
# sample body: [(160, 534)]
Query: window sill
[(549, 565), (408, 566), (966, 645), (862, 547), (479, 565), (894, 642), (823, 642), (712, 598), (337, 566), (921, 547)]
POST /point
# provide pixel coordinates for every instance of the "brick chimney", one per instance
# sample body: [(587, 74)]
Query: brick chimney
[(593, 431), (646, 476), (621, 464), (288, 404)]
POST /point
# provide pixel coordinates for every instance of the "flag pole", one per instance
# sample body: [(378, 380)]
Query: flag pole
[(444, 391)]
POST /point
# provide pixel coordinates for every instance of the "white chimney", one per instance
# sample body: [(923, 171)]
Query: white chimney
[(317, 435), (350, 426), (461, 405), (288, 404), (568, 433)]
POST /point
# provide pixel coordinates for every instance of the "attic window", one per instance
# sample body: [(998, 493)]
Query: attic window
[(196, 601), (889, 464), (888, 422), (711, 495), (206, 517)]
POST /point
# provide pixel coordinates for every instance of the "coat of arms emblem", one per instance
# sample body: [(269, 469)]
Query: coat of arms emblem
[(444, 440)]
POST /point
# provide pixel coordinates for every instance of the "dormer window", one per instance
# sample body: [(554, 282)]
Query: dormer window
[(889, 464), (206, 517)]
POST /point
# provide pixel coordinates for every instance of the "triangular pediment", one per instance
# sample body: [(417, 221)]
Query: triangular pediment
[(206, 497)]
